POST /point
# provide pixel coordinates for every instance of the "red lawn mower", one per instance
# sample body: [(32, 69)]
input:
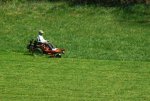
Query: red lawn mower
[(37, 48)]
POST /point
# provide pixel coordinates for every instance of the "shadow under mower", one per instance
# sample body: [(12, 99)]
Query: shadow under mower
[(40, 48)]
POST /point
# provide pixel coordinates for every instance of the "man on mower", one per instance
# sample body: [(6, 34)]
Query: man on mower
[(41, 40)]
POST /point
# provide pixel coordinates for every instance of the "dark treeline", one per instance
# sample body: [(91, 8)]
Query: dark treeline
[(110, 2), (97, 2)]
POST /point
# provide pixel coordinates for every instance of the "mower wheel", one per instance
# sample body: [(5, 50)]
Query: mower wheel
[(58, 55), (38, 51)]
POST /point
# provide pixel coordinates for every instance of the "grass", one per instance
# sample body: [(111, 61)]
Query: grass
[(84, 31), (107, 53), (26, 78)]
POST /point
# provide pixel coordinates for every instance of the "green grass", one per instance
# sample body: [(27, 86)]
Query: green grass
[(107, 53), (26, 78), (84, 31)]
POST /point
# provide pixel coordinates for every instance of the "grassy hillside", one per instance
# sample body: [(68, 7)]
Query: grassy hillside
[(107, 53), (26, 78), (84, 31)]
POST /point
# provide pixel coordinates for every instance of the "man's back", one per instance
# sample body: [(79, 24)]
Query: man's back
[(41, 39)]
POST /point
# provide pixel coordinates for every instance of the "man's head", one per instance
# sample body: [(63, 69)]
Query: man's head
[(41, 32)]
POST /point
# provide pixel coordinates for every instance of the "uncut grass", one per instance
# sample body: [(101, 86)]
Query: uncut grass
[(41, 79), (85, 32)]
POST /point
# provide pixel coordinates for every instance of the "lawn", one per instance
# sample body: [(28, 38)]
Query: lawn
[(107, 53), (87, 32), (27, 78)]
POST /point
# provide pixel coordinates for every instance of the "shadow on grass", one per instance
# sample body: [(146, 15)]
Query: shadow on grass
[(137, 13)]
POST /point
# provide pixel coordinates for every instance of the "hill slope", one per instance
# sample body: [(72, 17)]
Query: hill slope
[(26, 78), (85, 32), (95, 39)]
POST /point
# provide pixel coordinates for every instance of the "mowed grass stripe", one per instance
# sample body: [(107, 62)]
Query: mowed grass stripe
[(23, 77)]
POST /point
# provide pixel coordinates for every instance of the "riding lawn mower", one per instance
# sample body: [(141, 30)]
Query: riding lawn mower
[(37, 48)]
